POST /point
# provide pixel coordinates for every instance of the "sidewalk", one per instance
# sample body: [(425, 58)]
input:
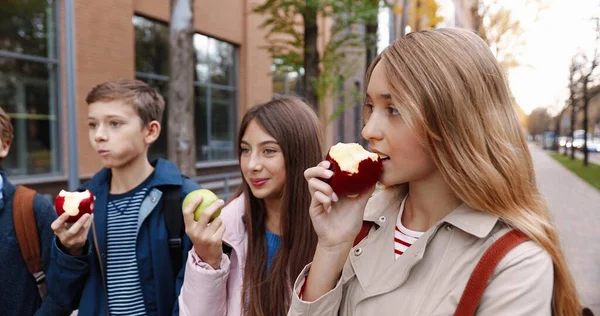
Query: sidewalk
[(575, 207)]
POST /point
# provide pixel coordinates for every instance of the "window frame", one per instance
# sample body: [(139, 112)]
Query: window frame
[(56, 73), (208, 85)]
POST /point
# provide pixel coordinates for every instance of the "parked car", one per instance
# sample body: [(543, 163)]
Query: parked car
[(548, 141), (593, 143)]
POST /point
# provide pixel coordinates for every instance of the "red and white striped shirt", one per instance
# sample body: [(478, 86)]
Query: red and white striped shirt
[(403, 237)]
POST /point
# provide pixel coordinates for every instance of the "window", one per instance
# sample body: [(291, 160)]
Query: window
[(29, 86), (215, 81), (286, 80)]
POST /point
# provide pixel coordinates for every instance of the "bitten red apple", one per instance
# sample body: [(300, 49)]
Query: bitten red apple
[(354, 169), (74, 203)]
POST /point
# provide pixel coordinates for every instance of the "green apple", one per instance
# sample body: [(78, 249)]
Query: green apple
[(208, 198)]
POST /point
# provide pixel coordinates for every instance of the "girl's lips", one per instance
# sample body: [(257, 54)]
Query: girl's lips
[(258, 182)]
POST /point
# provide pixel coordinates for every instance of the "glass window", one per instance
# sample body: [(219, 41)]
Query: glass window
[(215, 88), (151, 46), (159, 148), (286, 80), (29, 86), (27, 27), (221, 143)]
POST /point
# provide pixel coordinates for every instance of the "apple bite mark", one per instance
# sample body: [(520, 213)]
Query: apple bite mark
[(354, 169), (74, 203)]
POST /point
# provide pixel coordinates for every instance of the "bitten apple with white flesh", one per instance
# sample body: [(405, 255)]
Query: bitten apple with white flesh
[(355, 169), (74, 203)]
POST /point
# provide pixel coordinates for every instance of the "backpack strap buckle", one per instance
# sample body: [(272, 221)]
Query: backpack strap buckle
[(40, 277), (174, 242)]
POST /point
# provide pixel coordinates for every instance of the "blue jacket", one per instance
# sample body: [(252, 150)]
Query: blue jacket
[(18, 291), (160, 287)]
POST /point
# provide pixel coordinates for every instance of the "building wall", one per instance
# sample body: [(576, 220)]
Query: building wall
[(105, 50), (224, 20)]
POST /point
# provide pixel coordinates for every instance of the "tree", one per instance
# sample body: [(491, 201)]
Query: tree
[(292, 34), (423, 15), (573, 98), (180, 136), (371, 28), (586, 79), (557, 122), (537, 121), (494, 23)]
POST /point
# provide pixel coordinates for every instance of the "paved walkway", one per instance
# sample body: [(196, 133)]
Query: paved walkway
[(575, 206)]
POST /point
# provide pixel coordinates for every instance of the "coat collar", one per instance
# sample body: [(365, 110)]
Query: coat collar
[(386, 202), (165, 173), (471, 221)]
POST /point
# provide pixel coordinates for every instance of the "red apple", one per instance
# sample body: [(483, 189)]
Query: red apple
[(354, 169), (74, 203)]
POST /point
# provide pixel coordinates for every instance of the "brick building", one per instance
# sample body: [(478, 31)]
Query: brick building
[(123, 39)]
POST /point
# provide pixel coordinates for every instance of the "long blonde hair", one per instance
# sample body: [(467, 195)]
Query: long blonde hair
[(453, 92)]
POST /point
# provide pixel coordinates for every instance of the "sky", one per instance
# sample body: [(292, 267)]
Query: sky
[(550, 40), (561, 30)]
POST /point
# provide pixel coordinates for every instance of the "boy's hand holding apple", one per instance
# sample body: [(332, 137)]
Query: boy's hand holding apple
[(74, 221)]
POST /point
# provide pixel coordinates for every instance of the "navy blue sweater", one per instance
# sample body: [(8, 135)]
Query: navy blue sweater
[(18, 291)]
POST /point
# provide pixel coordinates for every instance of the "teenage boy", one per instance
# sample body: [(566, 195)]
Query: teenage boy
[(125, 263)]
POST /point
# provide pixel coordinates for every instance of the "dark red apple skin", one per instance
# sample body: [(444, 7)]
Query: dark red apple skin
[(346, 183), (86, 206)]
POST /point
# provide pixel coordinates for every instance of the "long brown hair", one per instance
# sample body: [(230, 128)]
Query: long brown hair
[(449, 88), (296, 129)]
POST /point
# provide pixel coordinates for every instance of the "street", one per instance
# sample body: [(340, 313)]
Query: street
[(575, 207)]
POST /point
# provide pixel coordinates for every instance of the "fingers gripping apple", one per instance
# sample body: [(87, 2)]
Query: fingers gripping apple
[(354, 169), (208, 198), (74, 203)]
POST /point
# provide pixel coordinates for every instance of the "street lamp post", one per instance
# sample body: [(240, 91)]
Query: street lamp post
[(71, 100)]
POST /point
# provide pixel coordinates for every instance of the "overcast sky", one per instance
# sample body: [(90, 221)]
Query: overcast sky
[(560, 30)]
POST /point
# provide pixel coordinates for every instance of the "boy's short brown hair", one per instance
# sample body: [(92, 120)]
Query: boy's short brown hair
[(146, 101), (6, 128)]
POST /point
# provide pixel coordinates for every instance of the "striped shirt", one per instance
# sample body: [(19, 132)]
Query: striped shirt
[(403, 237), (122, 276)]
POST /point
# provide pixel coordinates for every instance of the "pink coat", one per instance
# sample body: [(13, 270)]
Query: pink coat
[(207, 291)]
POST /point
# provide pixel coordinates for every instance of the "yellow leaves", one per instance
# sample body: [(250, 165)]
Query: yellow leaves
[(422, 14), (397, 8)]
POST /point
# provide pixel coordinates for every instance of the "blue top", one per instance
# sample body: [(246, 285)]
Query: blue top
[(273, 243), (18, 291)]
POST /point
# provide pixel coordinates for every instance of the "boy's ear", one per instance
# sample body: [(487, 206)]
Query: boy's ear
[(4, 148), (152, 132)]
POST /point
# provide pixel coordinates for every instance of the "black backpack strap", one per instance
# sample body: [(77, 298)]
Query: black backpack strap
[(174, 222), (227, 249)]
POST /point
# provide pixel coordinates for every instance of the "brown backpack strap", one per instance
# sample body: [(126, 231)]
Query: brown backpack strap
[(483, 271), (364, 231), (27, 235)]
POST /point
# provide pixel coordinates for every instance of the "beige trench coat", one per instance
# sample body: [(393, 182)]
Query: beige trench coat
[(429, 278)]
